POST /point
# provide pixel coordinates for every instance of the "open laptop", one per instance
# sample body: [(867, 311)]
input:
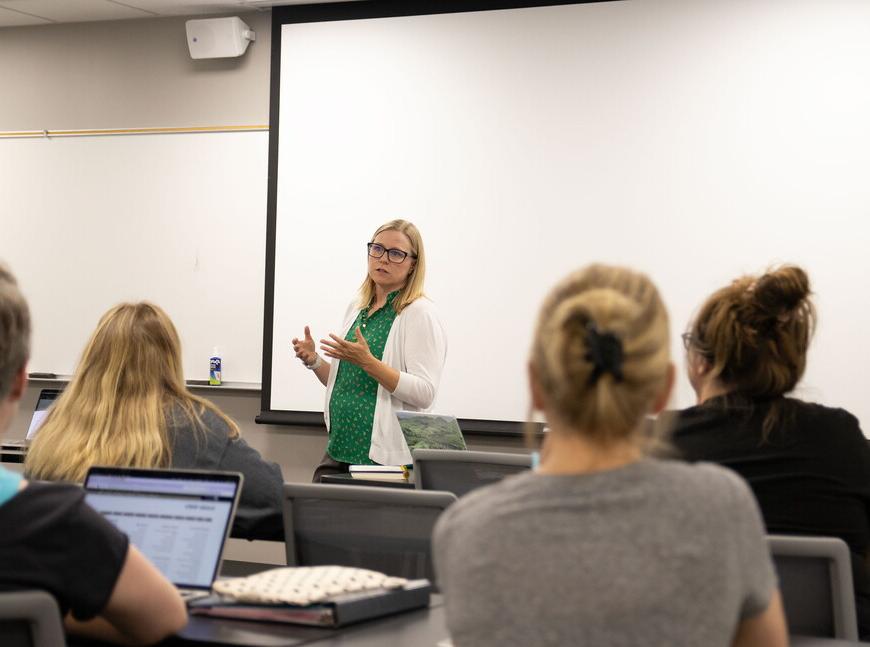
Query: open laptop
[(180, 519), (430, 431), (43, 403)]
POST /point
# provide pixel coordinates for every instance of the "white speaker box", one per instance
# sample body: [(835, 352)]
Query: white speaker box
[(218, 37)]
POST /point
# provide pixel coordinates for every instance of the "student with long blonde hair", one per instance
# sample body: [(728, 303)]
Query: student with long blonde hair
[(127, 405), (602, 545), (389, 356), (53, 541)]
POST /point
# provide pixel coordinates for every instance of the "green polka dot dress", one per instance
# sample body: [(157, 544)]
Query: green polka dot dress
[(355, 392)]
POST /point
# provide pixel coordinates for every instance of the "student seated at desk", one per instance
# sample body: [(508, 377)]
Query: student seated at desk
[(127, 405), (808, 465), (602, 545), (51, 540)]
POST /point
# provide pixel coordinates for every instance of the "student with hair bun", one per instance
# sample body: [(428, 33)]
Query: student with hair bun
[(808, 465), (601, 544)]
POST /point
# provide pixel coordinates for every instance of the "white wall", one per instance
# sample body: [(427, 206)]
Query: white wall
[(128, 73)]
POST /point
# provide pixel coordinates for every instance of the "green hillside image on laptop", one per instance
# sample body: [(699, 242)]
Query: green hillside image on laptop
[(430, 431)]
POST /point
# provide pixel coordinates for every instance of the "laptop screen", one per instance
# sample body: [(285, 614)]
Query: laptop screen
[(46, 399), (178, 519), (430, 431)]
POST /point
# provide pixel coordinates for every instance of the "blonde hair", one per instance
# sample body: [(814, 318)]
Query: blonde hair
[(14, 331), (619, 304), (114, 411), (755, 333), (413, 288)]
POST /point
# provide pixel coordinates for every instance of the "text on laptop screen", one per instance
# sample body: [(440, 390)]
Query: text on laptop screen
[(179, 524)]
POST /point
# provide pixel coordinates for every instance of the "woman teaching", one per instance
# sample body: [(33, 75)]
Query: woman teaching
[(389, 357)]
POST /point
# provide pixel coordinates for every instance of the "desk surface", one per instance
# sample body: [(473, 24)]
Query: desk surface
[(424, 627)]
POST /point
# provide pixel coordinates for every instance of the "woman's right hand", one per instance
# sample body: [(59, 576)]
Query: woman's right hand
[(305, 348)]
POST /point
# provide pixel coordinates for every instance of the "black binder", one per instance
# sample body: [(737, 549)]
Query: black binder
[(338, 611)]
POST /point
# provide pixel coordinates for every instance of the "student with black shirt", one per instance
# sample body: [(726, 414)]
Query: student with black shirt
[(808, 465), (53, 541)]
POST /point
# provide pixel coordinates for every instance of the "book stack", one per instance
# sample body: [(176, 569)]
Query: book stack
[(380, 472)]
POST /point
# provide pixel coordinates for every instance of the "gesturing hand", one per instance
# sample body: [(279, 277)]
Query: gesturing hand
[(354, 352), (304, 348)]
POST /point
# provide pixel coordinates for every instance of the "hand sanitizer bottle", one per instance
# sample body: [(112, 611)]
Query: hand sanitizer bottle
[(214, 368)]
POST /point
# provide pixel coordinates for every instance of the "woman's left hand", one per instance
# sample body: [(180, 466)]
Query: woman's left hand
[(354, 352)]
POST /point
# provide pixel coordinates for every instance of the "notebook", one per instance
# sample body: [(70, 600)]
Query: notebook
[(180, 519), (430, 431)]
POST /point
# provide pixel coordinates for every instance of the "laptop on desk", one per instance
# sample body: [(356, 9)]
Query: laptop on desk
[(179, 519), (43, 404)]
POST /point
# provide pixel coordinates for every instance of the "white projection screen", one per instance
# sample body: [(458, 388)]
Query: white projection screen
[(693, 140)]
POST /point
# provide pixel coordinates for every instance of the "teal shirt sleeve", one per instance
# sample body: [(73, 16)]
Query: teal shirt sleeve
[(9, 484)]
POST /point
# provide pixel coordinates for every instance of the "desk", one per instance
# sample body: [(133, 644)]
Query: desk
[(347, 479), (13, 453)]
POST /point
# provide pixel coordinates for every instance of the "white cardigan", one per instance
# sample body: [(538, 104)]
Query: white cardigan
[(417, 348)]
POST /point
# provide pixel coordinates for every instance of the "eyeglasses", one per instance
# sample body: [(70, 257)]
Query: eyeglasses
[(687, 340), (394, 255)]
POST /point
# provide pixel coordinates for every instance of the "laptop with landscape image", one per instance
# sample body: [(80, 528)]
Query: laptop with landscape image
[(179, 519), (430, 431)]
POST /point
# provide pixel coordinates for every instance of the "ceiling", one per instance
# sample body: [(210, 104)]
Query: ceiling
[(14, 13)]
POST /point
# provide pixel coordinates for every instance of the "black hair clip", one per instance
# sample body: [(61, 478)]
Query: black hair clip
[(605, 352)]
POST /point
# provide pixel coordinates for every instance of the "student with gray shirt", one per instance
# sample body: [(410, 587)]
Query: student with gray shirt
[(602, 545)]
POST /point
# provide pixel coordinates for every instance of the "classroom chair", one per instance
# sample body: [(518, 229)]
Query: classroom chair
[(30, 619), (815, 578), (460, 472), (382, 529)]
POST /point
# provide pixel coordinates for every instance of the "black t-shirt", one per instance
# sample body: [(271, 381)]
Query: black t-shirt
[(53, 541), (811, 476)]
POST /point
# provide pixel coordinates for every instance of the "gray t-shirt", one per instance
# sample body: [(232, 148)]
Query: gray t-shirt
[(657, 553)]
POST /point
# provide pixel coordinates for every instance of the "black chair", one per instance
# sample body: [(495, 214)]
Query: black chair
[(381, 529), (815, 578), (461, 472), (30, 619)]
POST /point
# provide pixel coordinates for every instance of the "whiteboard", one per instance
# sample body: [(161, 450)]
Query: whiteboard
[(177, 219), (695, 141)]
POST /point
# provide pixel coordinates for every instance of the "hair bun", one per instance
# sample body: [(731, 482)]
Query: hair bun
[(781, 291)]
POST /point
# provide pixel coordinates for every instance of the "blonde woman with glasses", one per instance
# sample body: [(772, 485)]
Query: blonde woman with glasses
[(389, 355), (127, 405), (602, 545)]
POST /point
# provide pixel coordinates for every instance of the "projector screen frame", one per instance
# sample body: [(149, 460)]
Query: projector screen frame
[(365, 9)]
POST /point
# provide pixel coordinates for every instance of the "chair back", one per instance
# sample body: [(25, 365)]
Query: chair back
[(382, 529), (815, 578), (461, 472), (30, 619)]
